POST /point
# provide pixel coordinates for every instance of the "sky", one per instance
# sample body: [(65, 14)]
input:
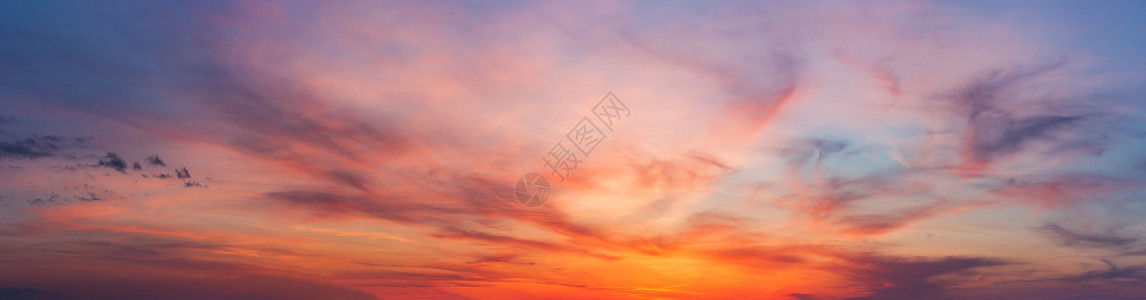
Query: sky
[(690, 150)]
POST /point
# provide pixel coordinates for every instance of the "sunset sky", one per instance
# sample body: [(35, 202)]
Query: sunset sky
[(770, 150)]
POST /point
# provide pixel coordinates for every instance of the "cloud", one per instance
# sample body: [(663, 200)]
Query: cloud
[(157, 264), (844, 202), (180, 287), (797, 296), (35, 146), (1006, 111), (890, 277), (877, 224), (752, 94), (448, 218), (766, 257), (391, 133), (1070, 238), (813, 149), (113, 161), (154, 160), (182, 173), (457, 233), (504, 258), (1136, 273), (1061, 190)]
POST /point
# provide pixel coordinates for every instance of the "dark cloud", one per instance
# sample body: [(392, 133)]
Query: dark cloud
[(50, 199), (56, 199), (348, 178), (798, 296), (154, 160), (182, 173), (441, 209), (155, 267), (330, 204), (112, 160), (1001, 134), (984, 93), (453, 208), (276, 119), (1061, 189), (1136, 273), (135, 248), (1072, 238), (890, 278), (136, 167), (26, 148), (152, 285), (998, 124), (1106, 283), (35, 146), (68, 194), (90, 197)]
